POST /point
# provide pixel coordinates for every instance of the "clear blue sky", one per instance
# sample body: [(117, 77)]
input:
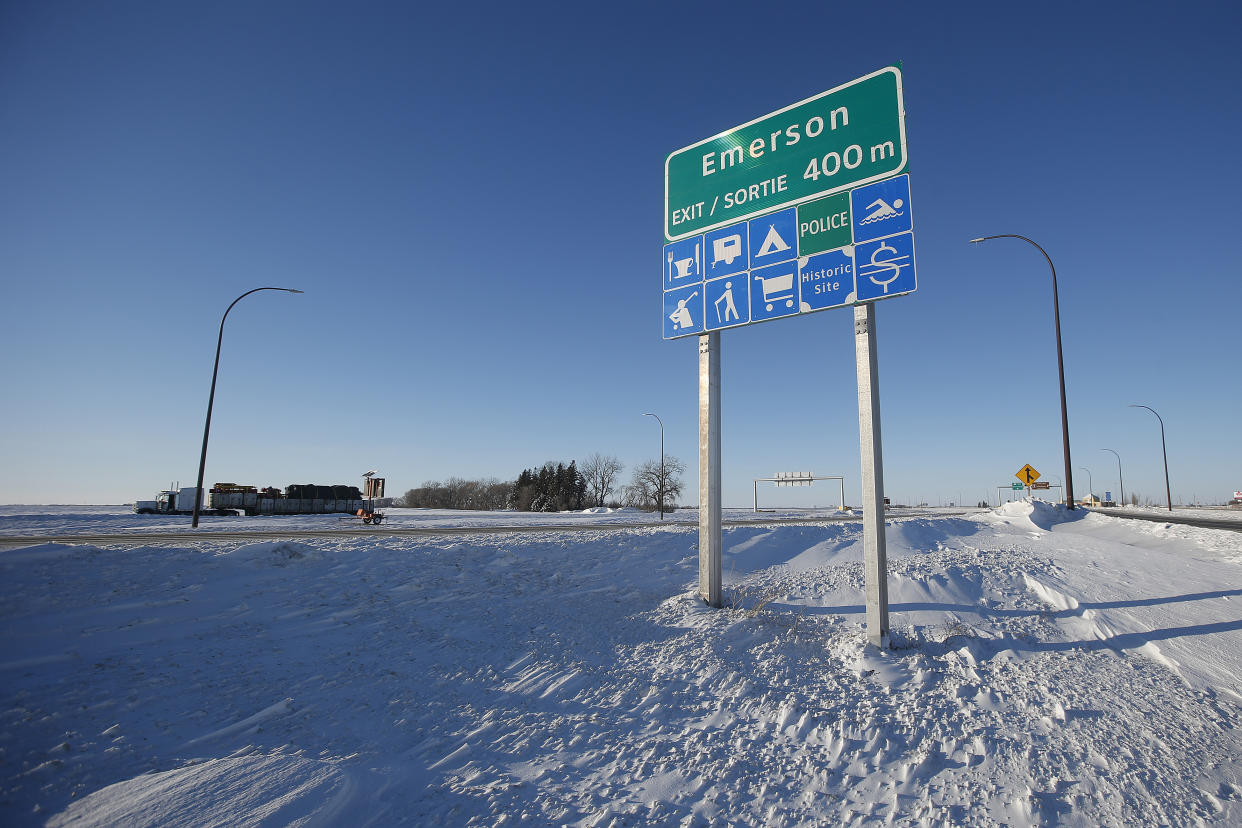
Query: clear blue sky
[(471, 196)]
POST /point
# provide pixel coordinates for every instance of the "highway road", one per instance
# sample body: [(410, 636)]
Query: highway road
[(183, 537), (1202, 523)]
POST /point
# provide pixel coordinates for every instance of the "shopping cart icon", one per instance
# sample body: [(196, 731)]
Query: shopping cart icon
[(777, 289)]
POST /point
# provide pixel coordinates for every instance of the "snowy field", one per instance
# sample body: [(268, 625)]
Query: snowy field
[(1048, 668)]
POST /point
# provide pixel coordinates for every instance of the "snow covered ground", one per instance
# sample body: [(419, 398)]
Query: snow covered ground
[(1048, 668)]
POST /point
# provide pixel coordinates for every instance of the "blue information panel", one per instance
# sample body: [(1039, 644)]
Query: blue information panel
[(826, 280), (751, 271), (683, 311), (884, 268), (683, 262), (727, 251), (727, 301), (774, 237), (881, 209), (774, 291)]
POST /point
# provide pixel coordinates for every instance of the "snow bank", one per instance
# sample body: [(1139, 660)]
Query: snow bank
[(279, 553), (270, 789), (1044, 671)]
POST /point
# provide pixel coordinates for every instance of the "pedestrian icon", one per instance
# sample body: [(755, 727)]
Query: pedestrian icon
[(683, 311), (885, 267), (881, 209), (730, 308), (727, 302), (772, 237)]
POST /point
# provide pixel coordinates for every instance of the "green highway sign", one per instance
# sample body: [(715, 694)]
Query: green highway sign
[(839, 139), (1017, 485)]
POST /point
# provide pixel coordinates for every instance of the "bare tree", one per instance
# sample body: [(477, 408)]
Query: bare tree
[(458, 493), (601, 473), (653, 483)]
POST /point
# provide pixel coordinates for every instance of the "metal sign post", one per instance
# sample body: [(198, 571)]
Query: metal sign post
[(709, 469), (875, 555), (804, 209)]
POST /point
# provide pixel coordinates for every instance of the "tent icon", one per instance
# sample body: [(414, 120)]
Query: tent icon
[(772, 243)]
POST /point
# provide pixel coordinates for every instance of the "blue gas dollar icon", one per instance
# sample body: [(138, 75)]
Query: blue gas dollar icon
[(683, 262), (683, 311), (885, 267), (726, 251), (881, 209), (726, 301), (774, 237)]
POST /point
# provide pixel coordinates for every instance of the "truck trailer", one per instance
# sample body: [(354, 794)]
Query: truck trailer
[(230, 499)]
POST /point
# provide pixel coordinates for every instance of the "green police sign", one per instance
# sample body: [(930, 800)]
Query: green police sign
[(848, 136)]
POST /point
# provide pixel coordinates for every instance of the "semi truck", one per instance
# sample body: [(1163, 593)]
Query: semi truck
[(230, 499)]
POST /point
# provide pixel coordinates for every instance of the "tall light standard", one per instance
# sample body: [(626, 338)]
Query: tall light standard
[(1056, 313), (1090, 482), (660, 488), (211, 398), (1120, 479), (1168, 496), (1058, 485)]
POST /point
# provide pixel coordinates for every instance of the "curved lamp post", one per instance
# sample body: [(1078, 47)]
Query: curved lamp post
[(1090, 482), (1120, 479), (660, 488), (1167, 495), (1056, 313), (202, 461), (1058, 484)]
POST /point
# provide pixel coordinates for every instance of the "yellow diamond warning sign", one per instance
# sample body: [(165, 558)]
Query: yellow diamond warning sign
[(1027, 474)]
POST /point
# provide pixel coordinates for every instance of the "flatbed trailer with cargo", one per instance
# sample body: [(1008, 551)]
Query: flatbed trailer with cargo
[(230, 499)]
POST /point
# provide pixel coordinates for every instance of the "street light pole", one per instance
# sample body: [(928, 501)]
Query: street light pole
[(211, 398), (1120, 479), (1056, 312), (660, 488), (1167, 494), (1090, 482)]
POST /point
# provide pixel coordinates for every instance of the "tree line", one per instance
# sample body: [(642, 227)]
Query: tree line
[(456, 493), (557, 487)]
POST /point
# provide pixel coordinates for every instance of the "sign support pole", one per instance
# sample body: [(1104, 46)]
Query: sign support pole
[(875, 555), (709, 469)]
